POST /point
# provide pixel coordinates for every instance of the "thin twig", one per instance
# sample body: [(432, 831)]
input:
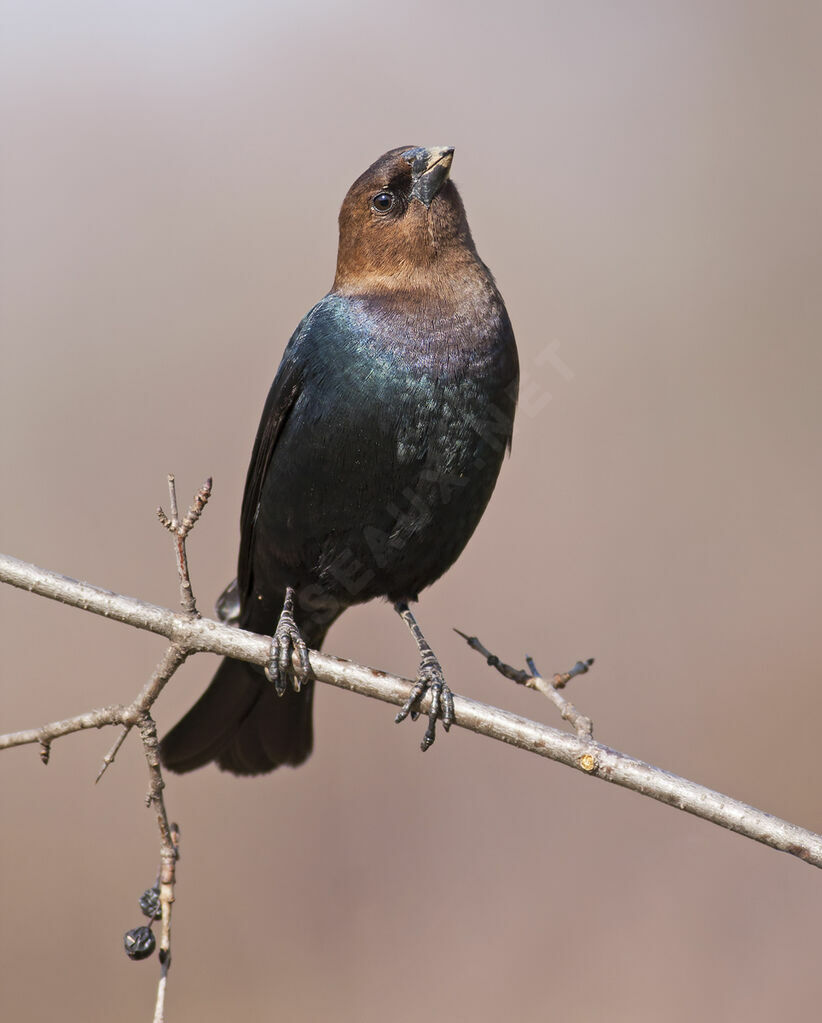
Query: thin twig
[(170, 837), (581, 724), (174, 657), (165, 883), (46, 734), (180, 530), (131, 714), (531, 679), (591, 758), (108, 759)]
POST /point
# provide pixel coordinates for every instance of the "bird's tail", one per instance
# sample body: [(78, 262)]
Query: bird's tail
[(242, 724)]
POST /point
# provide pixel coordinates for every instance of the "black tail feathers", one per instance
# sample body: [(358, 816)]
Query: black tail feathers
[(242, 724)]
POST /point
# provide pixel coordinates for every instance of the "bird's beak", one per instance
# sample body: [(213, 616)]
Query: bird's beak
[(429, 170)]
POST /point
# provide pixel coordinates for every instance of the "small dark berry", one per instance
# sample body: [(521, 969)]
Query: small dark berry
[(139, 942), (150, 903)]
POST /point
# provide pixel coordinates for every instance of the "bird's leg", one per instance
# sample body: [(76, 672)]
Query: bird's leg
[(429, 677), (286, 639)]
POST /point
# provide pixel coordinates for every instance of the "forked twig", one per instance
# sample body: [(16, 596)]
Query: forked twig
[(180, 530), (549, 687), (138, 714)]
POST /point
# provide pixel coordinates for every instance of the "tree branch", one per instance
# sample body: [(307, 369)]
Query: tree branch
[(156, 902), (532, 679), (195, 635), (180, 530)]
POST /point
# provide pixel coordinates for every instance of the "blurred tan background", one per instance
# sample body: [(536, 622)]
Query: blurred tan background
[(644, 180)]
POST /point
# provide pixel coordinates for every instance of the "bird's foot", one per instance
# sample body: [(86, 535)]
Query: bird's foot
[(287, 639), (430, 678)]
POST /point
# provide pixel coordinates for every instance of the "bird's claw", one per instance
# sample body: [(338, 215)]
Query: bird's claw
[(287, 639), (429, 678)]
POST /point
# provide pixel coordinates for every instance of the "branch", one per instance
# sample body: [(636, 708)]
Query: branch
[(582, 725), (155, 902), (180, 528), (195, 635)]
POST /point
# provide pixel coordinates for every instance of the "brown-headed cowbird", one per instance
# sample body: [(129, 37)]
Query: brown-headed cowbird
[(377, 452)]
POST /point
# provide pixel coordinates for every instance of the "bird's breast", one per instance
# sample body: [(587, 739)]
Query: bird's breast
[(405, 417)]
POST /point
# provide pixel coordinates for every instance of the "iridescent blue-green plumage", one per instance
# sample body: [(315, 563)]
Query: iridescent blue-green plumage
[(378, 449)]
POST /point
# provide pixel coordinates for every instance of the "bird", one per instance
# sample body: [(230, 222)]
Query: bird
[(377, 452)]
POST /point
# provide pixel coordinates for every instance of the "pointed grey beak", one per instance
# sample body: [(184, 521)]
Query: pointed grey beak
[(429, 170)]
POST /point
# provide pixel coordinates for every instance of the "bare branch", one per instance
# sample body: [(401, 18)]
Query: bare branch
[(48, 733), (170, 838), (532, 679), (172, 659), (132, 714), (112, 753), (199, 635), (156, 903), (139, 942), (180, 530)]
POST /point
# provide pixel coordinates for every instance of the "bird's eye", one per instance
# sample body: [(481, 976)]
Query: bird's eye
[(383, 202)]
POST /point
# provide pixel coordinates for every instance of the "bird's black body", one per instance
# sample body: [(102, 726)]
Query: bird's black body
[(378, 449)]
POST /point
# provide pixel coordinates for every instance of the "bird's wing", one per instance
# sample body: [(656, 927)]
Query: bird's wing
[(281, 398)]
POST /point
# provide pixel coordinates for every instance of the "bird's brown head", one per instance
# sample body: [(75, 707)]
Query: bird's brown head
[(401, 220)]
